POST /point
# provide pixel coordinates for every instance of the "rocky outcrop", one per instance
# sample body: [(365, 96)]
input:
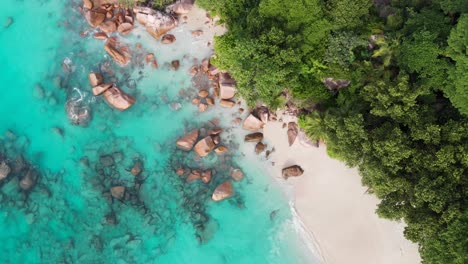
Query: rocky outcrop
[(125, 28), (156, 22), (292, 132), (99, 89), (204, 146), (95, 17), (263, 113), (254, 137), (334, 86), (121, 55), (292, 171), (108, 26), (186, 142), (181, 7), (223, 191), (252, 123), (118, 99), (95, 79), (227, 86)]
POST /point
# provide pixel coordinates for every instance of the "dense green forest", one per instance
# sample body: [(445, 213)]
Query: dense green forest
[(383, 83)]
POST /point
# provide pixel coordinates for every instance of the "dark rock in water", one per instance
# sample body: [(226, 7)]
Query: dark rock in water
[(237, 174), (10, 135), (273, 214), (118, 192), (137, 168), (175, 64), (58, 131), (118, 156), (8, 22), (111, 218), (78, 112), (39, 91), (254, 137), (186, 142), (259, 148), (223, 191), (292, 171), (19, 164), (29, 180), (4, 170), (106, 160)]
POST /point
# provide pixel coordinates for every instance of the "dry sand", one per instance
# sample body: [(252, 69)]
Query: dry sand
[(334, 206)]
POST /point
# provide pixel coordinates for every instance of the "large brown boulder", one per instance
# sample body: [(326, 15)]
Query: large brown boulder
[(120, 55), (108, 26), (118, 99), (125, 28), (260, 147), (263, 113), (181, 8), (254, 137), (95, 79), (99, 89), (186, 142), (252, 123), (227, 103), (223, 191), (204, 146), (292, 132), (95, 17), (156, 22), (227, 86), (292, 171)]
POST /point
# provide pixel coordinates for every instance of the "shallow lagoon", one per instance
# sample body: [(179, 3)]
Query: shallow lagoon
[(69, 217)]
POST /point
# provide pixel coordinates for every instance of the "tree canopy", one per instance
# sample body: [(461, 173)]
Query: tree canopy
[(403, 119)]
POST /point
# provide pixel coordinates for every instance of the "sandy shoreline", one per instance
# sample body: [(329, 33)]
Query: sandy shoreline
[(334, 206), (329, 199)]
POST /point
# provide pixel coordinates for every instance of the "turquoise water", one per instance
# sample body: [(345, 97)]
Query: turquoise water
[(68, 216)]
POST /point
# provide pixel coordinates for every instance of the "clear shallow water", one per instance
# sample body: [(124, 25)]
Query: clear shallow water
[(63, 218)]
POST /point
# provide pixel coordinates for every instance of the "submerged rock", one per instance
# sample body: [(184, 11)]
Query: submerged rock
[(118, 192), (206, 176), (223, 191), (28, 181), (39, 92), (118, 99), (204, 146), (252, 123), (4, 170), (78, 112), (292, 171), (155, 22), (186, 142), (8, 22)]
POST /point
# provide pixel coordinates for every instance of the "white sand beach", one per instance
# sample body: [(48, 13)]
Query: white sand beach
[(335, 208)]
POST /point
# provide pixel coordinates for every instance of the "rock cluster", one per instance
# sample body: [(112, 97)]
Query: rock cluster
[(156, 23), (204, 146), (112, 94)]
